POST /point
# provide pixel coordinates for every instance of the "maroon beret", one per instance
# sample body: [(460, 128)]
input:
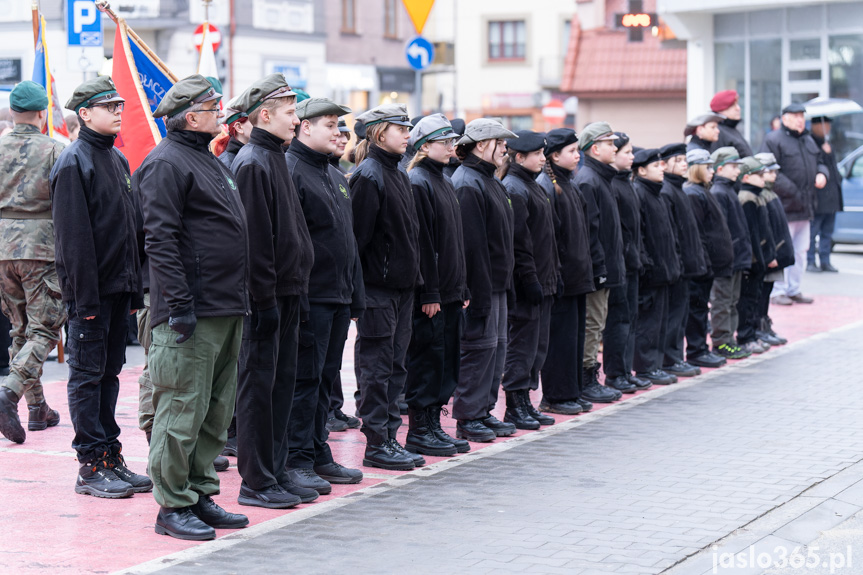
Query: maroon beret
[(723, 100)]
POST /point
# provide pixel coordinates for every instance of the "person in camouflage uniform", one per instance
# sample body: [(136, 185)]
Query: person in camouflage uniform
[(29, 288)]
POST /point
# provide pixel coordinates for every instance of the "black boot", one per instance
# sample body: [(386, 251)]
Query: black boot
[(207, 511), (500, 428), (10, 425), (621, 384), (42, 416), (116, 463), (474, 430), (221, 463), (94, 478), (461, 445), (183, 524), (418, 459), (534, 412), (379, 453), (421, 438), (230, 448), (516, 412), (595, 393)]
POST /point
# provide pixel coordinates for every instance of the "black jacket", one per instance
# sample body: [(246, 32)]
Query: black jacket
[(630, 220), (779, 228), (571, 232), (758, 222), (729, 135), (281, 252), (594, 181), (534, 245), (441, 235), (798, 157), (696, 143), (828, 200), (385, 222), (713, 228), (227, 157), (723, 190), (323, 192), (693, 262), (195, 226), (487, 223), (94, 224), (660, 260)]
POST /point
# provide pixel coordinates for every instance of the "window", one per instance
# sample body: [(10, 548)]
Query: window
[(391, 29), (506, 40), (349, 20)]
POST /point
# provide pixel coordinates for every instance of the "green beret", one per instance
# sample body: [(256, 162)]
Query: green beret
[(301, 94), (99, 90), (316, 107), (267, 88), (28, 96), (189, 91)]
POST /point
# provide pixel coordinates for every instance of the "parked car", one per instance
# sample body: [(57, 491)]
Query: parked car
[(849, 222)]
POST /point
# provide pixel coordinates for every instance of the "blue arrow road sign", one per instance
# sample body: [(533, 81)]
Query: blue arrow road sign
[(83, 23), (420, 53)]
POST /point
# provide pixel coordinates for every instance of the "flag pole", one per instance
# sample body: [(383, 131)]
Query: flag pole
[(35, 10), (106, 8)]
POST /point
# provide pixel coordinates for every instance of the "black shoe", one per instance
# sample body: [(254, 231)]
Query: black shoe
[(585, 405), (812, 268), (639, 383), (116, 463), (181, 523), (230, 449), (682, 369), (308, 479), (767, 326), (474, 430), (353, 422), (706, 359), (767, 338), (499, 428), (94, 478), (421, 439), (207, 511), (418, 459), (516, 412), (336, 425), (10, 425), (561, 407), (596, 393), (658, 377), (221, 463), (338, 474), (461, 446), (534, 412), (730, 351), (306, 494), (828, 268), (272, 497), (384, 456), (42, 417), (621, 384)]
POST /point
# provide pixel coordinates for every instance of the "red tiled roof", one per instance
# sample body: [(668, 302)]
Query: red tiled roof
[(604, 61)]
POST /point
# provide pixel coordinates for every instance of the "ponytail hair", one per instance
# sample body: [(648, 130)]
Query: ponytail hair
[(373, 136), (503, 170), (462, 151), (418, 157), (553, 177)]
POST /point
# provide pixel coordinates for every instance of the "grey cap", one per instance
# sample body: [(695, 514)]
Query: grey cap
[(194, 89), (431, 129), (485, 129), (725, 155), (697, 156), (595, 132), (316, 107), (768, 160), (390, 113), (269, 87), (232, 115), (343, 127), (700, 121), (98, 90), (750, 165)]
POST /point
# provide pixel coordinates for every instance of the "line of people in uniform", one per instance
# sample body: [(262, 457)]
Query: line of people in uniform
[(486, 259)]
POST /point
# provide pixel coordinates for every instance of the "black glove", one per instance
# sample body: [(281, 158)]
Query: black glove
[(184, 325), (533, 293), (267, 320), (560, 286), (598, 282)]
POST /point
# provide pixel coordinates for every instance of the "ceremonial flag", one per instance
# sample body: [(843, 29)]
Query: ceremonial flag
[(56, 124), (207, 62)]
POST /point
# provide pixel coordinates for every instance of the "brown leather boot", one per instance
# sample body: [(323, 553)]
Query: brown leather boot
[(42, 416)]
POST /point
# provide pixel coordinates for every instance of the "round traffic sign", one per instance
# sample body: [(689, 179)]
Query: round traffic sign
[(419, 52), (212, 32), (553, 112)]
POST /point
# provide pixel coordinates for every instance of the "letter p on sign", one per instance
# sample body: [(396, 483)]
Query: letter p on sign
[(85, 14)]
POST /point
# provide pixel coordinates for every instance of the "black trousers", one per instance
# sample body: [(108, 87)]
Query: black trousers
[(561, 374), (528, 344), (696, 319), (5, 340), (96, 352), (321, 345), (434, 355), (678, 313), (383, 337), (650, 329), (618, 338), (265, 394), (764, 305), (748, 307)]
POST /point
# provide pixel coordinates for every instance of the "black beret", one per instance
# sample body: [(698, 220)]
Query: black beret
[(794, 109), (645, 157), (458, 125), (527, 141), (558, 139), (360, 130), (671, 150), (621, 140)]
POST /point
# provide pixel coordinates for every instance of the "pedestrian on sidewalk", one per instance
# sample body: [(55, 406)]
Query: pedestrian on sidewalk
[(387, 233), (196, 242), (727, 104), (593, 180), (702, 131), (335, 293), (435, 349), (100, 278), (828, 200), (487, 224), (661, 264), (28, 276)]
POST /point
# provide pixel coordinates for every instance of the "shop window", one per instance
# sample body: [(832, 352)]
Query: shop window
[(808, 49), (845, 60), (765, 88), (516, 123), (506, 40), (349, 16), (391, 16)]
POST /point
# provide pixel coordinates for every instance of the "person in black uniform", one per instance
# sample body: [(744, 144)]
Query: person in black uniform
[(487, 224), (693, 262), (718, 249), (702, 131), (562, 375), (618, 337), (434, 352), (661, 268), (239, 129), (727, 104), (536, 277), (335, 293), (100, 278), (281, 258), (387, 233)]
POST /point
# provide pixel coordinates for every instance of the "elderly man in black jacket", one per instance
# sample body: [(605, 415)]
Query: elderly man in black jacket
[(829, 201), (801, 175)]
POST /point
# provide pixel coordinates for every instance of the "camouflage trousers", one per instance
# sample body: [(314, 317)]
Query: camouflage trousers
[(30, 296), (145, 386)]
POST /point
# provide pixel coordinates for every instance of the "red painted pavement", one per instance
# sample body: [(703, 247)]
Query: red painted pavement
[(50, 528)]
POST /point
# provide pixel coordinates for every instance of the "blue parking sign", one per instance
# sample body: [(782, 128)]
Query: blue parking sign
[(83, 23)]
